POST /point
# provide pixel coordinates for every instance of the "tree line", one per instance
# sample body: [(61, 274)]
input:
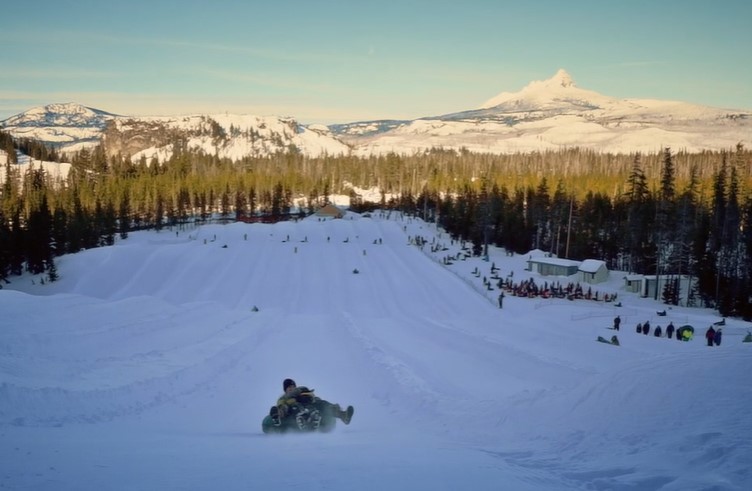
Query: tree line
[(663, 214)]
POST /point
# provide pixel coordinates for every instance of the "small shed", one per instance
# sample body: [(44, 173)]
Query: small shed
[(633, 282), (593, 271), (552, 266), (329, 211)]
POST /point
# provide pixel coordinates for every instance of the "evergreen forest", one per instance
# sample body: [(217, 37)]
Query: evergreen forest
[(668, 213)]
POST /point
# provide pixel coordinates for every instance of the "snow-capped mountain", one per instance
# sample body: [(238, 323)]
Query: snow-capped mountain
[(555, 114), (552, 114)]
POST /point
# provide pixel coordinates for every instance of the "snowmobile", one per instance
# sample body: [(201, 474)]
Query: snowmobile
[(310, 414)]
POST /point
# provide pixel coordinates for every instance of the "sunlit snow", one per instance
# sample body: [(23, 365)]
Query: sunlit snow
[(146, 367)]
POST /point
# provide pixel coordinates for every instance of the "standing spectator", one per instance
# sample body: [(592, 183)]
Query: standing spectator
[(670, 330), (646, 328), (639, 328), (657, 331), (717, 337), (617, 321), (501, 300), (710, 335)]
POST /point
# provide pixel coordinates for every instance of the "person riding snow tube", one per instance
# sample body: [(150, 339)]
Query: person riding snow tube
[(299, 409)]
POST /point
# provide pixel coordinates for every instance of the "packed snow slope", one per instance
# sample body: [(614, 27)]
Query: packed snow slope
[(146, 367)]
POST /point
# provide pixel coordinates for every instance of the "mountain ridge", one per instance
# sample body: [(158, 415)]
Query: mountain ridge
[(544, 115)]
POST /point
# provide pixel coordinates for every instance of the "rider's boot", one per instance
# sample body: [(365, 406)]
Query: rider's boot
[(345, 415), (274, 413)]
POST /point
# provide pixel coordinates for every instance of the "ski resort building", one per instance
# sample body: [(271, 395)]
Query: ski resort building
[(651, 286), (592, 271), (552, 266), (651, 283), (329, 211), (633, 282)]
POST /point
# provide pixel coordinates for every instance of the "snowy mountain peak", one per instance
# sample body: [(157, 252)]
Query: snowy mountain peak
[(562, 78), (69, 114), (69, 124), (62, 108), (561, 85), (555, 114)]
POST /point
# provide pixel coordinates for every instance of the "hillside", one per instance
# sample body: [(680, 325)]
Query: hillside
[(145, 367)]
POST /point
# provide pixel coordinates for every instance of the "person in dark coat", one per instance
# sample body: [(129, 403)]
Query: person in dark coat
[(670, 330), (717, 337), (639, 328), (646, 328), (710, 335), (657, 331), (617, 321)]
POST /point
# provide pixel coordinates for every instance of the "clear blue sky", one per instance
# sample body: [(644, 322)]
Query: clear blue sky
[(339, 61)]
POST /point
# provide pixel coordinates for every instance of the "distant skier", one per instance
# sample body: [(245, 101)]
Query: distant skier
[(617, 322)]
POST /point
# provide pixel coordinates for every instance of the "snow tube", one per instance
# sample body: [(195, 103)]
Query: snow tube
[(682, 329), (304, 421)]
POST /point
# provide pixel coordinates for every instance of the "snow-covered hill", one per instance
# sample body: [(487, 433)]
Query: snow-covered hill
[(226, 135), (68, 126), (146, 367), (551, 114)]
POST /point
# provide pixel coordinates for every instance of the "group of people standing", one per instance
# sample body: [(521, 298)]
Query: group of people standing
[(684, 333)]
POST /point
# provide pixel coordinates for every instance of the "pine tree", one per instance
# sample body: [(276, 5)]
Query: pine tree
[(39, 238), (560, 206), (638, 218), (124, 215), (686, 227), (52, 274), (663, 235), (745, 295), (732, 250), (5, 252), (225, 202), (109, 224), (17, 244)]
